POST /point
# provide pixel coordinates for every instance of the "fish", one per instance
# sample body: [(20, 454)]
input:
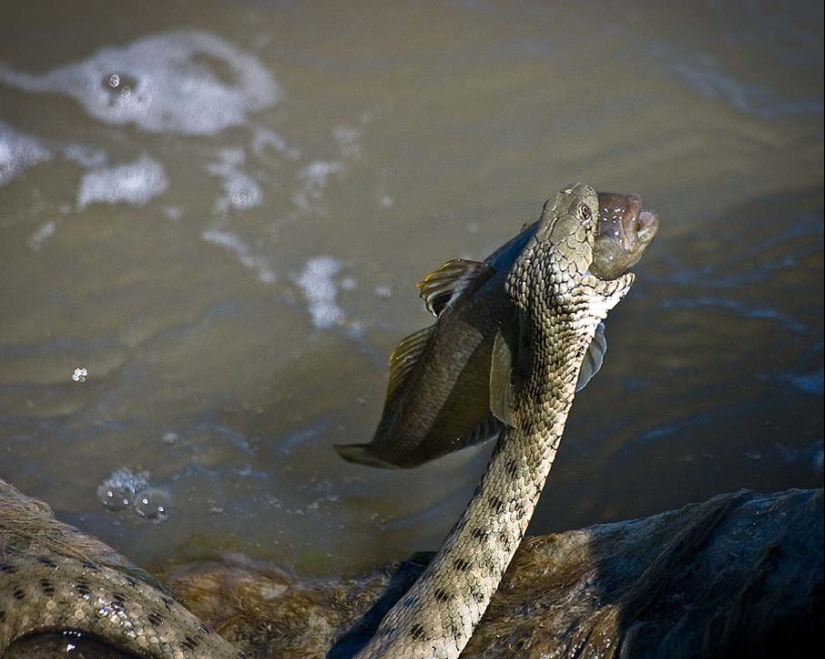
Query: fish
[(438, 393)]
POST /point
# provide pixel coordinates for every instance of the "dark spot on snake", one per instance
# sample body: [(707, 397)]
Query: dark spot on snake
[(478, 596), (7, 569), (189, 643), (83, 588), (47, 587), (511, 468), (497, 504), (204, 629), (461, 564), (168, 602), (90, 566), (119, 600), (132, 582), (505, 540), (45, 560), (19, 594), (441, 595), (479, 533), (155, 618), (410, 601), (417, 632)]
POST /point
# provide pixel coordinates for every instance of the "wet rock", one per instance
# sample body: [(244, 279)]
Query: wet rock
[(738, 575)]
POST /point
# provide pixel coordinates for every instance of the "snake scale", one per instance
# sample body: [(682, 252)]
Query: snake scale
[(559, 306)]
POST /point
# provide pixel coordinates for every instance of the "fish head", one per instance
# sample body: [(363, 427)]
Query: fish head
[(625, 230)]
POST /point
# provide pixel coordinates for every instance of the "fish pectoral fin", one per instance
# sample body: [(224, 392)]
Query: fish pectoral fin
[(441, 288), (489, 428), (361, 454), (593, 359), (403, 359), (501, 374)]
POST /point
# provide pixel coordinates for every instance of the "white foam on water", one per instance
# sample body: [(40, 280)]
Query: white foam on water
[(185, 82), (317, 281), (312, 180), (85, 156), (130, 183), (241, 191), (173, 212), (242, 252), (383, 292), (348, 139), (266, 140), (42, 234), (19, 152)]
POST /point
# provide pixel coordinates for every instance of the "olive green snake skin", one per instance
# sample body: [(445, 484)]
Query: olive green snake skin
[(560, 305)]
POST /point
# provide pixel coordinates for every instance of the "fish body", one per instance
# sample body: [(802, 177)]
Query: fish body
[(438, 396)]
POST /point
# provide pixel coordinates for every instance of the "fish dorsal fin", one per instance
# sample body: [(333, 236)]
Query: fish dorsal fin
[(441, 288), (404, 358), (593, 359), (501, 376)]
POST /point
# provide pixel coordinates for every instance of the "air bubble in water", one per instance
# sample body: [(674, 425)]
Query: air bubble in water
[(126, 490), (118, 491), (152, 503)]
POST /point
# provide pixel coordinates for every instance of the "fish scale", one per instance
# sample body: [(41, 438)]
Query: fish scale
[(560, 305)]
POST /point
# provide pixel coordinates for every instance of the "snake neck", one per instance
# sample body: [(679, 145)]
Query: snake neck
[(437, 616)]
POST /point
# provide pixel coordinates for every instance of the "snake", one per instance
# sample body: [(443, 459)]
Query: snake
[(536, 364), (560, 304)]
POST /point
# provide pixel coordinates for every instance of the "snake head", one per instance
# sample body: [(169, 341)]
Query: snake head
[(567, 227), (558, 259)]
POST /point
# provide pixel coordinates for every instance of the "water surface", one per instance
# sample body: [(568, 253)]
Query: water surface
[(220, 214)]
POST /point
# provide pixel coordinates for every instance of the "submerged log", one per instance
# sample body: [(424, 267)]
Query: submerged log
[(738, 575)]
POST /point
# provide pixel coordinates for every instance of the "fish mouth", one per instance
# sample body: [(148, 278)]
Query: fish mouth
[(625, 231), (638, 226)]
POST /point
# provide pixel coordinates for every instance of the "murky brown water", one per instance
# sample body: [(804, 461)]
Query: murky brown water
[(220, 213)]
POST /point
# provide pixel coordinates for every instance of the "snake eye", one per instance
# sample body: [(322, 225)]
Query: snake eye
[(585, 213)]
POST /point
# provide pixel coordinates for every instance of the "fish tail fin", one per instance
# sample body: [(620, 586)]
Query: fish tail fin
[(361, 454)]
